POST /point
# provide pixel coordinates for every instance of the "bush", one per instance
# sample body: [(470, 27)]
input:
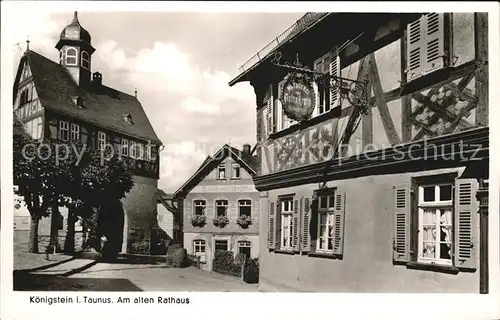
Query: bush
[(221, 222), (251, 271), (180, 258), (224, 263), (244, 221), (198, 221), (140, 247)]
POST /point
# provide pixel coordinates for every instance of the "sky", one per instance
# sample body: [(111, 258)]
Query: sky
[(180, 63)]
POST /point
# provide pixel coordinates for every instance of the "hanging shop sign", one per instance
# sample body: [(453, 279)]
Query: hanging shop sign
[(298, 98)]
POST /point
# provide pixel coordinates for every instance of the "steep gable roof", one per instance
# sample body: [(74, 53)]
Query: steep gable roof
[(102, 106), (247, 161)]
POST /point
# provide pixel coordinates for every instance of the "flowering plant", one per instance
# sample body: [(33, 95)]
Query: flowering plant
[(198, 220), (221, 221), (244, 221)]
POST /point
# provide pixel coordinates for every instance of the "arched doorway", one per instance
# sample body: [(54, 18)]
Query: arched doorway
[(111, 224)]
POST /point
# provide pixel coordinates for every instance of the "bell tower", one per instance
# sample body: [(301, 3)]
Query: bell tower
[(75, 51)]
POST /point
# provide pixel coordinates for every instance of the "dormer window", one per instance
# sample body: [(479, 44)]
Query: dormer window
[(71, 57), (78, 101), (128, 118), (85, 60)]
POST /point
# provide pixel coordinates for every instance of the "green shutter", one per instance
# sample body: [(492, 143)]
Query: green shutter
[(401, 240), (339, 218), (306, 238), (466, 235), (296, 225), (271, 243)]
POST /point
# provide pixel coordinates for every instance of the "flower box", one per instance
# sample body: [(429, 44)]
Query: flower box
[(221, 221), (198, 220), (244, 221)]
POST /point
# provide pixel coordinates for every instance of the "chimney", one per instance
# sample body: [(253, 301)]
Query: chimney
[(247, 148), (97, 78)]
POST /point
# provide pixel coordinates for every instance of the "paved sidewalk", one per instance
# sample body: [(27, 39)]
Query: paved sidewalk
[(143, 277), (26, 261), (67, 268)]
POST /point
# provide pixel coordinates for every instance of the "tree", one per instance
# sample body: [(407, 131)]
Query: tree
[(50, 174), (41, 172), (100, 178)]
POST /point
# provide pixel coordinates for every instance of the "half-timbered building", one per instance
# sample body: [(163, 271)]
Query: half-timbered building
[(63, 100), (220, 206), (376, 188)]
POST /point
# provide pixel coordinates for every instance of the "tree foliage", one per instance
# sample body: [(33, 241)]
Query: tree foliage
[(66, 173)]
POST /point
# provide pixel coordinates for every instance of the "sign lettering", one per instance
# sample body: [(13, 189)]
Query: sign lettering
[(298, 97)]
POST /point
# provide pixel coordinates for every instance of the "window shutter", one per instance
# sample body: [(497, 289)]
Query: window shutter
[(270, 111), (339, 213), (306, 240), (414, 49), (317, 102), (335, 72), (401, 241), (466, 211), (272, 227), (434, 42), (296, 225)]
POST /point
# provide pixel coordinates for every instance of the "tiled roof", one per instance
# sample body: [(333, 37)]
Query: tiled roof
[(244, 159), (102, 106)]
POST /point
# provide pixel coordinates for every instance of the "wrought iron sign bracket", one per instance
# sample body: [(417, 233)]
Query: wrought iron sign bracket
[(354, 91)]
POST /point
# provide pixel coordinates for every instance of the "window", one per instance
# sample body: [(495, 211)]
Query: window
[(101, 140), (26, 95), (236, 171), (147, 152), (199, 249), (63, 130), (244, 248), (322, 91), (441, 230), (71, 57), (154, 152), (245, 207), (221, 245), (124, 150), (221, 208), (286, 224), (139, 150), (426, 49), (326, 216), (199, 207), (435, 224), (316, 229), (85, 60), (221, 172), (75, 132), (133, 150)]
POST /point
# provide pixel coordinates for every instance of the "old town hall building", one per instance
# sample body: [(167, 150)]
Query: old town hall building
[(64, 100)]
